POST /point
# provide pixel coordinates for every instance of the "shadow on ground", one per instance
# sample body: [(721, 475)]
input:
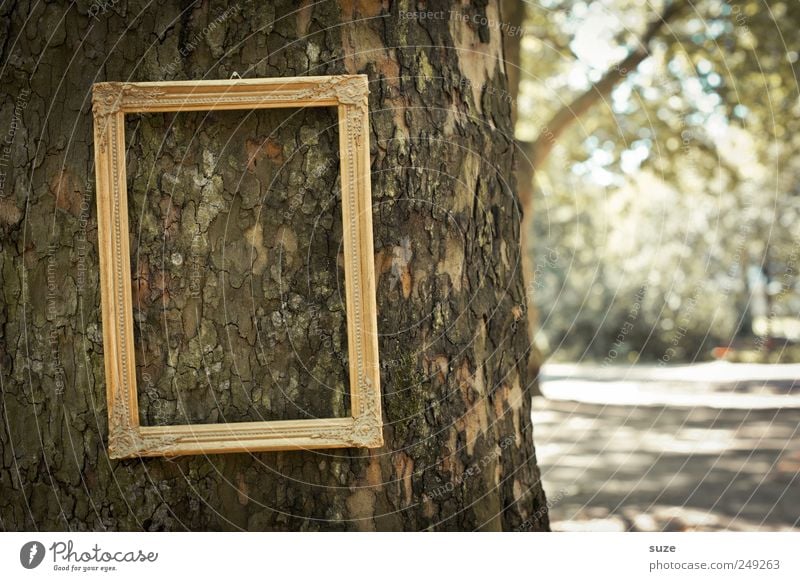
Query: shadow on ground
[(655, 466)]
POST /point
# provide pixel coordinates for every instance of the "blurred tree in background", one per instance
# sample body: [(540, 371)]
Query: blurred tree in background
[(664, 136)]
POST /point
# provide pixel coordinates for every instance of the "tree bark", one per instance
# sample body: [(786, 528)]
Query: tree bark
[(234, 237)]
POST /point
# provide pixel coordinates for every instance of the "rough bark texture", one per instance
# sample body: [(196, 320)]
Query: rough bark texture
[(235, 243), (238, 308)]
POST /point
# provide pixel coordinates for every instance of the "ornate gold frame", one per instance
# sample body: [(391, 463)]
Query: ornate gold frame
[(126, 438)]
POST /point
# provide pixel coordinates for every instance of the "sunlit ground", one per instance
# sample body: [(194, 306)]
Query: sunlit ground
[(697, 447)]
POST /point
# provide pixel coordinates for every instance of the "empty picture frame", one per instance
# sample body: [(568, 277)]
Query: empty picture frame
[(126, 437)]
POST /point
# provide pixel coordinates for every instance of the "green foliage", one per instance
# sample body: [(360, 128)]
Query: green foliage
[(683, 181)]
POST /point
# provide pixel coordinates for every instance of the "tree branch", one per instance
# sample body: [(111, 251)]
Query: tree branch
[(539, 149)]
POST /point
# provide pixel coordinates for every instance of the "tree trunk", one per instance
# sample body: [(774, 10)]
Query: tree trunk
[(533, 155), (513, 12), (235, 232)]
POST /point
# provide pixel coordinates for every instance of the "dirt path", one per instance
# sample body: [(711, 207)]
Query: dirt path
[(701, 447)]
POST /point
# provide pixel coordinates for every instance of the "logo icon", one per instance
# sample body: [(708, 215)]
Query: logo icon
[(31, 554)]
